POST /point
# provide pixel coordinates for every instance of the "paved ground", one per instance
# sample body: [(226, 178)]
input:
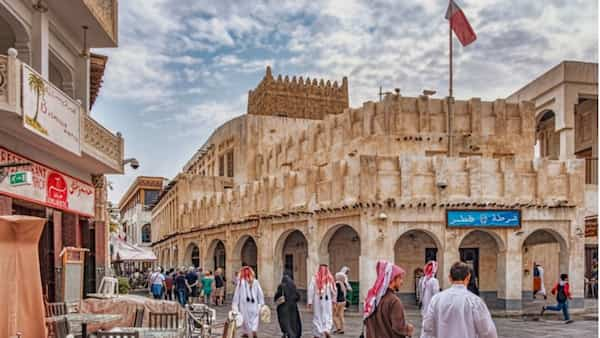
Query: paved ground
[(549, 327)]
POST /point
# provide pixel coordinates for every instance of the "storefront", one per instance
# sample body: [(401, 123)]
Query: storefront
[(67, 204)]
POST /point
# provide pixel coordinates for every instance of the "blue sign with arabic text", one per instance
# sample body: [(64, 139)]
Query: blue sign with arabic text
[(483, 218)]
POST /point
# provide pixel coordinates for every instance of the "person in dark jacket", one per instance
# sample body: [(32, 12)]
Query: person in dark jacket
[(287, 298), (563, 294), (384, 313)]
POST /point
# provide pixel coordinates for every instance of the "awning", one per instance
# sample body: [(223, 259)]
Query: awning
[(123, 251)]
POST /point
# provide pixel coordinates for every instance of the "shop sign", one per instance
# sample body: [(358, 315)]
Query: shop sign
[(48, 187), (20, 178), (483, 218), (50, 113)]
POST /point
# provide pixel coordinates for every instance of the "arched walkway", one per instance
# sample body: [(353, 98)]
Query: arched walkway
[(291, 253), (481, 249), (215, 256), (245, 253), (341, 247), (547, 248), (412, 250), (192, 255)]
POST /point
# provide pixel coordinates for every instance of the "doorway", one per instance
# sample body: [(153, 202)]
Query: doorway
[(289, 265), (470, 256)]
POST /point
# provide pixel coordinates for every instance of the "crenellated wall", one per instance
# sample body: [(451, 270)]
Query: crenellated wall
[(404, 181), (299, 98), (406, 125)]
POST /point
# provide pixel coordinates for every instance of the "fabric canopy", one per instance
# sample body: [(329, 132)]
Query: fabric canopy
[(123, 251), (19, 262)]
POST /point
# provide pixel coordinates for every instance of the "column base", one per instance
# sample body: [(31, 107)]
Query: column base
[(509, 304)]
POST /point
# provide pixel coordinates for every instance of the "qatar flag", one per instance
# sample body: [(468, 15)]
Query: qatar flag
[(459, 24)]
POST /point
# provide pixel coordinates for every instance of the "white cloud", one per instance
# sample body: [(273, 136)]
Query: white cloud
[(190, 65)]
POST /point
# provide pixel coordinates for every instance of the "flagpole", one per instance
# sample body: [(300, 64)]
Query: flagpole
[(450, 98)]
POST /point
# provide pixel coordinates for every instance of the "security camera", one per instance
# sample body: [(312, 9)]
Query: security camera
[(441, 185), (132, 162)]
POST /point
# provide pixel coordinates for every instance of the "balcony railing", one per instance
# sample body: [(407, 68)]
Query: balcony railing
[(97, 141), (103, 143), (591, 170)]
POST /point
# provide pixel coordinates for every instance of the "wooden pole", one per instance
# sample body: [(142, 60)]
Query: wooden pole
[(450, 98)]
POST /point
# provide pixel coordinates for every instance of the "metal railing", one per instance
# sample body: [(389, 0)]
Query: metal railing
[(591, 170)]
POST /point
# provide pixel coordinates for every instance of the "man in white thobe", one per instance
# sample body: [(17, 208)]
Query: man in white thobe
[(320, 297), (430, 286), (247, 300), (457, 312)]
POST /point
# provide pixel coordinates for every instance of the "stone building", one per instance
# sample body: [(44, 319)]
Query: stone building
[(376, 182), (566, 111), (53, 153), (135, 209)]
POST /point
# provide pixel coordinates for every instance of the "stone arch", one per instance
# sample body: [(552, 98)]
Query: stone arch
[(292, 247), (15, 35), (192, 255), (245, 252), (216, 255), (547, 139), (146, 232), (412, 250), (340, 246), (485, 250), (548, 248)]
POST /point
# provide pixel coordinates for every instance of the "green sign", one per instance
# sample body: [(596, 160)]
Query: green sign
[(20, 178)]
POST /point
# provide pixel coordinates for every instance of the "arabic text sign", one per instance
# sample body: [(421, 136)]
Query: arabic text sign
[(49, 112), (483, 218), (48, 187)]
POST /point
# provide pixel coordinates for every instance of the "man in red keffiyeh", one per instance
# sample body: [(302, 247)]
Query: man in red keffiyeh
[(320, 297), (384, 313), (247, 300), (430, 285)]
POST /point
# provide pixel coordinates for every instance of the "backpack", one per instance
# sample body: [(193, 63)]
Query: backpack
[(561, 296)]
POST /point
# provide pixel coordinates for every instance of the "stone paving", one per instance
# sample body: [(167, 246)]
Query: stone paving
[(549, 327)]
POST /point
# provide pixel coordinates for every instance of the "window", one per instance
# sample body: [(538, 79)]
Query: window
[(146, 234), (221, 165), (230, 164), (150, 196)]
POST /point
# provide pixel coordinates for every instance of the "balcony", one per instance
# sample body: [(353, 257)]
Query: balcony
[(100, 16), (92, 147)]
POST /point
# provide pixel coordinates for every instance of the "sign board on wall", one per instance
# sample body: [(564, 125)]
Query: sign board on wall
[(50, 113), (483, 218), (48, 187)]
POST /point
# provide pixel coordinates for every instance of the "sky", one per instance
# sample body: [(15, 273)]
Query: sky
[(184, 67)]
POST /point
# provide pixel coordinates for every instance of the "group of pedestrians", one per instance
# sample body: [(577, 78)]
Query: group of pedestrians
[(188, 285), (453, 313)]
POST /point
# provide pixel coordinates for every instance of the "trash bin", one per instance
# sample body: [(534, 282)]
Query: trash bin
[(352, 296)]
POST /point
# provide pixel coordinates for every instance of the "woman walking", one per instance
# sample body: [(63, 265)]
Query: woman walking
[(207, 286), (342, 287), (287, 298)]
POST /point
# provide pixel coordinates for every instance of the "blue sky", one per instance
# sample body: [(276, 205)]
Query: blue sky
[(184, 67)]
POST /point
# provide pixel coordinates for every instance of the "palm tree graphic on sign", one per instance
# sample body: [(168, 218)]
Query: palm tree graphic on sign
[(37, 85)]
